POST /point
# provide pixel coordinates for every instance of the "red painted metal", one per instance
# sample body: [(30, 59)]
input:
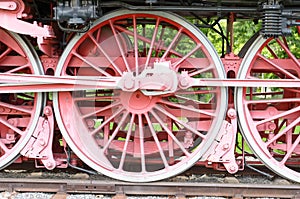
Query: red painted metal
[(18, 111), (39, 147), (49, 64), (45, 83), (224, 147), (8, 5), (11, 12), (231, 62), (147, 129), (49, 45), (270, 116), (161, 81), (142, 95)]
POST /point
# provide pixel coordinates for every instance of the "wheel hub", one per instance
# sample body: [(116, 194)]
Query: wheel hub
[(140, 126), (137, 102)]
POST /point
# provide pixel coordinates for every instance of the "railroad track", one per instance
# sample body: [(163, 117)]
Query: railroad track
[(117, 189), (197, 181)]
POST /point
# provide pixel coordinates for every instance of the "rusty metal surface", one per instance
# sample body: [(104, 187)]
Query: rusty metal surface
[(158, 188)]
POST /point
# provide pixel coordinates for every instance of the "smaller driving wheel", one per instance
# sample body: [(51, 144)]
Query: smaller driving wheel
[(269, 116), (19, 112), (141, 135)]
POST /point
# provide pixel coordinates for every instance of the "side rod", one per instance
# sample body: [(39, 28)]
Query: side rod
[(15, 83), (283, 83)]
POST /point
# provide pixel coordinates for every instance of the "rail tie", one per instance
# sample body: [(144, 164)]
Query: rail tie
[(62, 187)]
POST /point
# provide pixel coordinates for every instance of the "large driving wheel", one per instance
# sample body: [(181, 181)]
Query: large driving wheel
[(269, 116), (19, 112), (141, 134)]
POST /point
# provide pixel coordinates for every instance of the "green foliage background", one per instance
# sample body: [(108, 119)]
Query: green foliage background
[(243, 31)]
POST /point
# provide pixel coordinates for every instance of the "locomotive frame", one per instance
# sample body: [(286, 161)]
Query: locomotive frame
[(137, 92)]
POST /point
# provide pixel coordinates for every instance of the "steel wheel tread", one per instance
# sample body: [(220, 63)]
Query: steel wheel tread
[(22, 48), (251, 134), (85, 152)]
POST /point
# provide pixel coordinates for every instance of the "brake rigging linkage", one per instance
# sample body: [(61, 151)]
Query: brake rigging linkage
[(39, 147), (223, 149)]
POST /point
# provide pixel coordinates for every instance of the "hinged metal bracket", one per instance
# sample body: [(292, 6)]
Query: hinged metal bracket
[(39, 146), (225, 144)]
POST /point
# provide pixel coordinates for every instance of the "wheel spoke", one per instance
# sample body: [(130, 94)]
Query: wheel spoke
[(109, 107), (269, 117), (13, 70), (142, 147), (17, 108), (107, 121), (5, 53), (196, 92), (91, 64), (161, 152), (129, 132), (105, 147), (290, 151), (293, 110), (180, 106), (152, 42), (287, 50), (105, 54), (177, 64), (96, 98), (194, 100), (191, 129), (172, 44), (284, 131), (170, 133), (11, 42), (147, 40), (277, 67), (204, 70), (136, 137), (272, 52), (15, 129), (136, 51), (119, 45)]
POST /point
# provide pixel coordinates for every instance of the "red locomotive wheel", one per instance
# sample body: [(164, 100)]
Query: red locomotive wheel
[(150, 128), (269, 117), (19, 112)]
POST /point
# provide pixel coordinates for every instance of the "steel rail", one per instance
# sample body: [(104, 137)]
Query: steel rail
[(156, 188)]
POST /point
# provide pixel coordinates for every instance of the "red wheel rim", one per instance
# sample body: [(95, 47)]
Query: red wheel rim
[(140, 137), (269, 117), (19, 112)]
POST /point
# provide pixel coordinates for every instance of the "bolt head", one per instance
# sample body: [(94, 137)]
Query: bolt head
[(226, 146), (47, 111)]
